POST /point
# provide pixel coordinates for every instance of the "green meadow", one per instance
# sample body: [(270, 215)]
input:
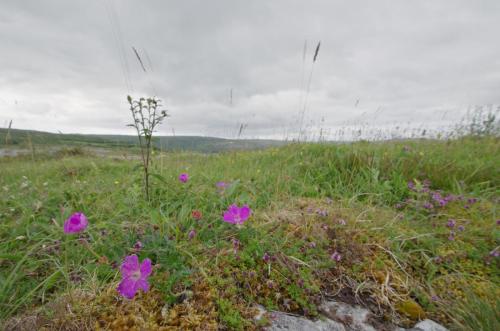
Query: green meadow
[(415, 224)]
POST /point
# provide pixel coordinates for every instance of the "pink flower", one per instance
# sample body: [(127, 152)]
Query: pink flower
[(134, 276), (183, 177), (336, 256), (236, 215), (76, 223), (191, 234)]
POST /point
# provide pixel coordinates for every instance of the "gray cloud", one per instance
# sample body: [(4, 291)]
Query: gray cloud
[(68, 65)]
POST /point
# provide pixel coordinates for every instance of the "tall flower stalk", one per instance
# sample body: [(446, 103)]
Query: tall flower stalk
[(147, 116)]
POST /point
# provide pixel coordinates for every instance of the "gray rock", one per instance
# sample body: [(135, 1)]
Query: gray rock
[(282, 321), (354, 317), (338, 316), (429, 325)]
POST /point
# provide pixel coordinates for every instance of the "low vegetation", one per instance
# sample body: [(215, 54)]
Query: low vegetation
[(409, 229)]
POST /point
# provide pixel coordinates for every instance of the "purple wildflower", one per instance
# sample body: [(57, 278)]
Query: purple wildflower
[(76, 223), (134, 276), (221, 185), (451, 223), (461, 228), (427, 205), (411, 185), (266, 258), (336, 256), (472, 200), (191, 234), (342, 221), (312, 244), (183, 177), (495, 253), (322, 212), (236, 215), (451, 237), (498, 222), (236, 245), (138, 246)]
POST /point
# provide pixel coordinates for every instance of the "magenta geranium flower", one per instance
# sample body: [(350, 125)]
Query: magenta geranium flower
[(183, 177), (237, 215), (134, 276), (76, 223)]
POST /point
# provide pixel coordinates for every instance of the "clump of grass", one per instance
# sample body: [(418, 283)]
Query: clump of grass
[(477, 313)]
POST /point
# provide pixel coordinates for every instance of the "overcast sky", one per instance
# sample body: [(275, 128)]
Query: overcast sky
[(68, 65)]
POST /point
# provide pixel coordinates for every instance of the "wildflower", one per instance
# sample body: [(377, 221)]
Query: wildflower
[(236, 245), (435, 298), (221, 185), (498, 222), (495, 253), (196, 214), (451, 223), (134, 276), (411, 185), (451, 237), (322, 212), (342, 221), (183, 177), (191, 234), (236, 215), (76, 223), (336, 256), (472, 200), (266, 257), (138, 246), (427, 205), (324, 226), (312, 244), (461, 228)]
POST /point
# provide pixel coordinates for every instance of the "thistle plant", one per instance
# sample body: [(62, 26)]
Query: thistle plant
[(147, 116)]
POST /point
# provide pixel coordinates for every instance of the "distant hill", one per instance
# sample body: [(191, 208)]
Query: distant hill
[(20, 138)]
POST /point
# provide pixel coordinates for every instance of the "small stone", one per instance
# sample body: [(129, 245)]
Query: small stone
[(429, 325)]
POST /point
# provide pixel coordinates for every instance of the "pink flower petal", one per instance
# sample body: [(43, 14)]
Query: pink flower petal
[(146, 268), (245, 212), (130, 265), (127, 288), (142, 284), (229, 217)]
